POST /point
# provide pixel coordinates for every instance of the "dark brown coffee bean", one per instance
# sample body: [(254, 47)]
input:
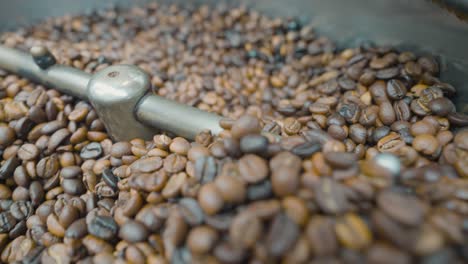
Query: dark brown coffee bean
[(91, 151), (441, 106), (7, 222), (306, 149), (403, 208), (387, 73), (77, 230), (57, 138), (350, 112), (103, 227), (52, 126), (8, 167), (402, 110), (340, 160), (48, 166), (330, 197), (282, 235), (396, 89), (109, 178), (386, 113), (259, 191), (321, 236), (256, 144), (458, 119), (73, 186), (7, 136), (21, 210), (426, 144), (133, 232)]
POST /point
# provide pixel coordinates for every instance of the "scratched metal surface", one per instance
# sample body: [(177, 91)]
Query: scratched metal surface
[(422, 26)]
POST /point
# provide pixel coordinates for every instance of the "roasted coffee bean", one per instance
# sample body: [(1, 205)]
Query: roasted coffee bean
[(353, 232), (133, 232), (8, 167), (458, 119), (255, 144), (7, 136), (103, 227), (330, 197), (306, 149), (252, 168), (77, 229), (396, 89), (232, 189), (360, 150), (403, 208), (7, 222), (191, 211), (245, 230), (28, 152), (282, 235), (48, 166), (205, 169), (210, 199), (91, 151), (245, 125), (201, 239), (174, 163)]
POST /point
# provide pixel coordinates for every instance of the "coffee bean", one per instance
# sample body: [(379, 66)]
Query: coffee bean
[(458, 119), (191, 211), (109, 178), (8, 167), (253, 169), (396, 89), (306, 149), (353, 232), (282, 235), (340, 160), (205, 169), (103, 227), (28, 152), (174, 163), (245, 125), (77, 230), (133, 232), (245, 230), (201, 239), (405, 209), (321, 236), (7, 136), (232, 189), (91, 151), (7, 222), (210, 199), (256, 144), (330, 197)]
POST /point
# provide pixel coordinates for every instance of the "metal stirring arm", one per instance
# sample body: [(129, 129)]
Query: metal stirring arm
[(119, 94)]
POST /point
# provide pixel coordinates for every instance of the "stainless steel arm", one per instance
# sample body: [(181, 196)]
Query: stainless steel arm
[(63, 78), (118, 95)]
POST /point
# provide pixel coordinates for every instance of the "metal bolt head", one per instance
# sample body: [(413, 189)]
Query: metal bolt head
[(42, 57)]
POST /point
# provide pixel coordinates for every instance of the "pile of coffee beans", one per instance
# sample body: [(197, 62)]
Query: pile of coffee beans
[(327, 155)]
